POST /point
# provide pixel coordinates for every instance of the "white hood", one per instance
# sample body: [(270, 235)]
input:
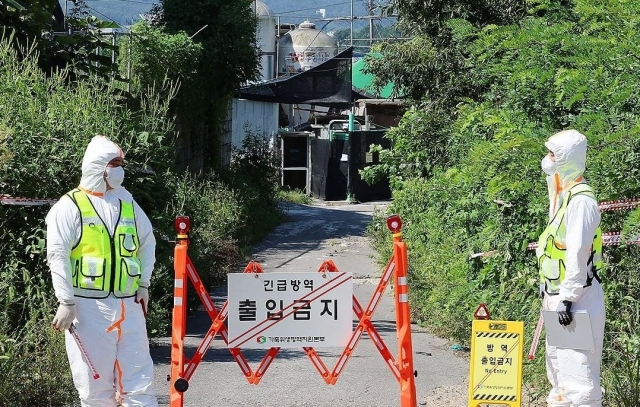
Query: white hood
[(100, 151), (570, 150)]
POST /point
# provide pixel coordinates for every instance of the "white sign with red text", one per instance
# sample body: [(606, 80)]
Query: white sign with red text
[(289, 310)]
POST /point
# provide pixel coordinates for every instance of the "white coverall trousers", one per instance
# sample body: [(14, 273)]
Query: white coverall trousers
[(575, 374), (114, 335)]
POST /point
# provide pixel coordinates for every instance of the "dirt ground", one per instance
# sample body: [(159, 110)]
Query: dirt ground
[(456, 396)]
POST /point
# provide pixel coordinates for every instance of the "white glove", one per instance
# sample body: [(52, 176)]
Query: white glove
[(64, 316), (142, 298)]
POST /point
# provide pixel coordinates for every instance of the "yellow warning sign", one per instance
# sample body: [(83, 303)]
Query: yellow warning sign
[(496, 363)]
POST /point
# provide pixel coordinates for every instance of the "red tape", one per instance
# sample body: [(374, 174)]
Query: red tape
[(608, 238), (619, 205), (20, 201)]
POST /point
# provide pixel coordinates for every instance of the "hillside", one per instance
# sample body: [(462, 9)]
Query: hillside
[(125, 12), (299, 10)]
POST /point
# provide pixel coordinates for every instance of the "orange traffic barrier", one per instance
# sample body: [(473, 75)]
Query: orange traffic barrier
[(403, 316), (179, 319), (182, 368)]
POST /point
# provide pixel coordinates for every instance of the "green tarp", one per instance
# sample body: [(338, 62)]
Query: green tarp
[(363, 82)]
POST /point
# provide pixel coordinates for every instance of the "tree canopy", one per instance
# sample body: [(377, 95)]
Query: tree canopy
[(226, 32), (74, 42)]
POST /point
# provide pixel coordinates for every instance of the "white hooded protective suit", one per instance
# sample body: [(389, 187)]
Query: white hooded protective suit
[(112, 330), (575, 374)]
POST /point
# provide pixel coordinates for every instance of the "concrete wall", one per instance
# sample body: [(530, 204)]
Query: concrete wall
[(260, 118)]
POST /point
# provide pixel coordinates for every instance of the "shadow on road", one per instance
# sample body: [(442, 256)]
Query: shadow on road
[(306, 227)]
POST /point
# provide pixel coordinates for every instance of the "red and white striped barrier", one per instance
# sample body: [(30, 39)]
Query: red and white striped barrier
[(608, 238), (19, 201), (619, 205)]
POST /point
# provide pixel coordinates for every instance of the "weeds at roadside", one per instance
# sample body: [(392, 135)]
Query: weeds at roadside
[(621, 373), (294, 196)]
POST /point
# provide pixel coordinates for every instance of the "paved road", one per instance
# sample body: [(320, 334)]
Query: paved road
[(311, 235)]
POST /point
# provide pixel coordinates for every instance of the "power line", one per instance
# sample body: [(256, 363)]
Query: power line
[(314, 38), (301, 16), (314, 8), (126, 1), (102, 14)]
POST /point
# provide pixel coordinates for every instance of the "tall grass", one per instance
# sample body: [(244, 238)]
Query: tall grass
[(294, 196), (45, 125), (621, 375), (34, 368)]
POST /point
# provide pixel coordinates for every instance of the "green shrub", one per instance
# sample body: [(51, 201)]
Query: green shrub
[(47, 121), (254, 176), (228, 213), (294, 196), (621, 375), (34, 367), (43, 137), (152, 56), (475, 184), (216, 214), (42, 142)]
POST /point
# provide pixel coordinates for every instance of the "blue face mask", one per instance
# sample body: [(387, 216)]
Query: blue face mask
[(115, 176)]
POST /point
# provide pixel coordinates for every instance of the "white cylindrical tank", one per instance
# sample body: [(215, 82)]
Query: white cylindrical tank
[(266, 39), (303, 48)]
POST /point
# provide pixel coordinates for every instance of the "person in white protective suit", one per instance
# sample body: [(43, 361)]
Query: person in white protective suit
[(101, 252), (569, 257)]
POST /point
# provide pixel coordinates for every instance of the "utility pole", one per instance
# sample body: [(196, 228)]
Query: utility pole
[(352, 17), (129, 61), (277, 47), (351, 35), (370, 24)]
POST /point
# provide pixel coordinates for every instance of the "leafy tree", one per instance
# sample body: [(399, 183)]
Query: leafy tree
[(380, 32), (475, 185), (27, 21), (429, 17), (434, 78), (41, 25), (158, 57), (226, 32), (431, 71), (79, 9), (85, 49), (227, 36)]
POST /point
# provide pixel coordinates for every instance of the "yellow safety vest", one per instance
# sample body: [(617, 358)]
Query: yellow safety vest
[(551, 250), (102, 264)]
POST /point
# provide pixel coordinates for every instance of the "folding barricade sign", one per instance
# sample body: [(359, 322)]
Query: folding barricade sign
[(182, 368), (289, 309), (495, 375)]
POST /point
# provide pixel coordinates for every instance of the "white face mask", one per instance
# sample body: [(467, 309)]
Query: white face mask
[(549, 167), (115, 176)]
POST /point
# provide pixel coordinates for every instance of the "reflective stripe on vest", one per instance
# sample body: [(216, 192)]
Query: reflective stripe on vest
[(102, 264), (551, 250)]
